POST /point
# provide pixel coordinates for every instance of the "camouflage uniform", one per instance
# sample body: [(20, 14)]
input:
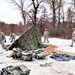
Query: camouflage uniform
[(2, 39), (46, 34), (12, 37), (73, 37)]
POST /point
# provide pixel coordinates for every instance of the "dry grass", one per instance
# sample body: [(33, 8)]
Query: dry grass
[(51, 48)]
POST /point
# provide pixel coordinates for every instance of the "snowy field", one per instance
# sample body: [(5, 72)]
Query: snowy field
[(53, 68)]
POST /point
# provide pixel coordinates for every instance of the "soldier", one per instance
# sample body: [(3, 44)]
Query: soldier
[(73, 37), (2, 39), (12, 37), (46, 34)]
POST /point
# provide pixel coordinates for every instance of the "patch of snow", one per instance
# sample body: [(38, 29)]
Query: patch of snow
[(56, 67), (62, 44)]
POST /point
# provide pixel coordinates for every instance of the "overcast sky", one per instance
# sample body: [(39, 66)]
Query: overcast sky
[(8, 14)]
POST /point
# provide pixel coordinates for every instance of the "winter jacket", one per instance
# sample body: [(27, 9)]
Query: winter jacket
[(46, 33), (73, 36), (2, 36)]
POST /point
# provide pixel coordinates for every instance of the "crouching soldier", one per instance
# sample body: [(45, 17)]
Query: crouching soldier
[(46, 35), (2, 39), (12, 37), (17, 53), (73, 37)]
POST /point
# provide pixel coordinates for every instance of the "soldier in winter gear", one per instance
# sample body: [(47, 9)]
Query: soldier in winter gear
[(12, 37), (73, 37), (46, 34), (2, 39)]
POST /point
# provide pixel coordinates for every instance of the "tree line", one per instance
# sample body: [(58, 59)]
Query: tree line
[(11, 28), (58, 20)]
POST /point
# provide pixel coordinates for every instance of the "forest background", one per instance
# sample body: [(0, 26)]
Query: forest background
[(53, 15)]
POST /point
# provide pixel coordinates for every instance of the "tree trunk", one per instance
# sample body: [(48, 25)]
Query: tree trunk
[(35, 13), (54, 13), (59, 17), (63, 14)]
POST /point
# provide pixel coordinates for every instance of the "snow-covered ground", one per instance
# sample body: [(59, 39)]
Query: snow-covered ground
[(55, 68), (62, 44)]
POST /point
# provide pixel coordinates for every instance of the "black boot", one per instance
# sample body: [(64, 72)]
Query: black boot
[(71, 45)]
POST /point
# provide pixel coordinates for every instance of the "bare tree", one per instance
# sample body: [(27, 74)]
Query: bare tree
[(44, 12), (36, 4), (72, 3), (21, 7), (59, 11), (70, 15), (54, 7), (54, 11), (73, 6), (43, 20), (63, 13)]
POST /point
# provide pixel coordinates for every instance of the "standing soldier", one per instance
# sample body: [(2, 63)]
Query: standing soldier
[(73, 37), (2, 39), (46, 35), (12, 37)]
